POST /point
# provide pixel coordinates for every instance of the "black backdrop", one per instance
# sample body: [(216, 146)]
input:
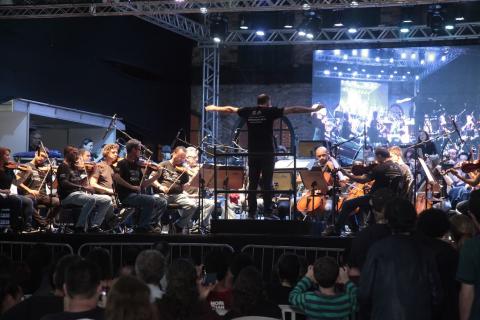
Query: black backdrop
[(107, 65)]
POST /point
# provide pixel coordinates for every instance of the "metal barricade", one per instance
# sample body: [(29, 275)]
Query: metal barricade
[(18, 250), (265, 257), (123, 253)]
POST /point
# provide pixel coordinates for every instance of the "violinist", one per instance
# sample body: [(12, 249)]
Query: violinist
[(172, 183), (102, 178), (397, 157), (35, 184), (130, 182), (75, 189), (385, 174), (21, 207)]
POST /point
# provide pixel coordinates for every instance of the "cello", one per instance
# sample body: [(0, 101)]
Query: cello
[(314, 201)]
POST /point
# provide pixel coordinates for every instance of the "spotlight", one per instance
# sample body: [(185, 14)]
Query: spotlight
[(364, 53), (218, 27), (368, 76), (395, 71), (349, 69), (352, 30), (403, 77), (382, 71), (340, 73), (407, 14), (431, 57), (444, 58), (390, 60), (302, 33), (363, 70), (417, 77), (459, 15), (203, 10), (413, 56), (288, 20), (337, 52), (408, 72), (404, 29), (345, 57), (391, 76), (355, 73), (335, 68), (337, 22), (422, 62), (403, 55), (354, 3), (306, 6), (379, 76), (377, 59), (309, 36), (449, 27), (326, 72), (260, 33), (288, 26), (311, 24), (459, 18), (354, 52), (243, 23)]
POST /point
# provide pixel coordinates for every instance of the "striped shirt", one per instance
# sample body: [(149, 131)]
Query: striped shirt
[(319, 307)]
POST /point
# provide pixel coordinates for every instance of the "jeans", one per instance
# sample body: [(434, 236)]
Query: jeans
[(189, 206), (88, 202), (257, 166), (20, 206), (151, 208)]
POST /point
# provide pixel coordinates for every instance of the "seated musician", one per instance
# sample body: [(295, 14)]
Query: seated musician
[(172, 183), (385, 174), (130, 183), (102, 178), (472, 180), (21, 207), (75, 189), (397, 157), (35, 182)]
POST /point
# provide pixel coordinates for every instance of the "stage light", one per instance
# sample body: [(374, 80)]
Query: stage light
[(218, 27), (431, 57), (404, 29), (243, 23), (337, 52), (403, 77), (379, 76), (459, 15), (395, 71), (355, 73), (309, 36), (382, 71), (435, 20), (306, 6), (460, 18), (302, 33), (391, 60), (338, 24), (368, 76), (340, 73), (422, 61), (364, 53), (335, 68), (288, 20), (288, 26), (326, 72), (354, 3), (349, 69), (413, 56), (377, 59), (408, 72), (345, 56), (417, 77), (444, 58), (352, 30), (260, 33), (449, 27), (203, 10), (363, 70), (403, 55), (391, 76), (407, 13), (354, 52)]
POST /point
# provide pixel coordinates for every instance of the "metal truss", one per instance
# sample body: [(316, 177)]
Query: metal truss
[(339, 36), (55, 7), (210, 87)]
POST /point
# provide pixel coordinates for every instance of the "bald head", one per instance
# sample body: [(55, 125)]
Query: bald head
[(322, 155)]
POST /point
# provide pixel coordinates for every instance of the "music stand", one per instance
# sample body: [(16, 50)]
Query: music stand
[(430, 180), (315, 181), (230, 177)]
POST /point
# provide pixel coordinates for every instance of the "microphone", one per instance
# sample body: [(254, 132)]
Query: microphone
[(110, 126), (176, 138), (457, 131)]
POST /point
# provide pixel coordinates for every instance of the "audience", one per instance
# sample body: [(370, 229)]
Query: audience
[(10, 294), (468, 273), (82, 290), (399, 279), (288, 273), (461, 229), (328, 302), (129, 299), (434, 225), (249, 297), (37, 306), (371, 234), (185, 297), (220, 298), (150, 268)]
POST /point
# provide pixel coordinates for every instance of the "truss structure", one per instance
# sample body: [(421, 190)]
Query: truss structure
[(56, 7), (339, 36), (210, 86)]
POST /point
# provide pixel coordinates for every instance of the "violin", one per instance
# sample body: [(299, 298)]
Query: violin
[(19, 166), (87, 166), (361, 169), (470, 166)]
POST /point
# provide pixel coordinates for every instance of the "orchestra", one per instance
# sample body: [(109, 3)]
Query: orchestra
[(36, 192)]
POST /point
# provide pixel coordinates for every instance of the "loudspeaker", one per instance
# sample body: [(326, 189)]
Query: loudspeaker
[(262, 227)]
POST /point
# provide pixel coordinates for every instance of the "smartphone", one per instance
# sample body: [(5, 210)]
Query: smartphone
[(209, 278)]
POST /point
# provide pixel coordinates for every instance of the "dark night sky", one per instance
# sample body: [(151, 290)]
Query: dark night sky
[(108, 65)]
